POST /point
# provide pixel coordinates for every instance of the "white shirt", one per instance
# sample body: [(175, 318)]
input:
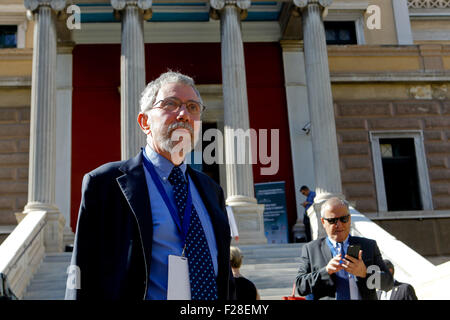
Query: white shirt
[(385, 295)]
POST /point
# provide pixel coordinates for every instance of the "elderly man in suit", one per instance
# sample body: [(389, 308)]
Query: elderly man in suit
[(134, 214), (327, 272)]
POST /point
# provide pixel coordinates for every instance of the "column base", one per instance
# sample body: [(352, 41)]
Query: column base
[(249, 218), (68, 237), (54, 227), (299, 232), (317, 229)]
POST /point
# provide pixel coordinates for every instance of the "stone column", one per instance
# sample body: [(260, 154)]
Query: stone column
[(298, 114), (240, 188), (132, 71), (41, 176), (323, 128)]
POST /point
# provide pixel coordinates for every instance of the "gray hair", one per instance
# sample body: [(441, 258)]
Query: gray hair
[(335, 201), (149, 94)]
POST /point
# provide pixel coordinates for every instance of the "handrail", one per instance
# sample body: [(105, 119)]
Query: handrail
[(22, 252), (409, 265)]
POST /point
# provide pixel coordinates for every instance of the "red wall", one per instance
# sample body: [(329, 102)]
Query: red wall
[(96, 102)]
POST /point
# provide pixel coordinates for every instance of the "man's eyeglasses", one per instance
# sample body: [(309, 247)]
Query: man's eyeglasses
[(173, 104), (343, 219)]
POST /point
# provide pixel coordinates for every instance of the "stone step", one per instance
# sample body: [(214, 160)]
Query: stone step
[(49, 282), (272, 268)]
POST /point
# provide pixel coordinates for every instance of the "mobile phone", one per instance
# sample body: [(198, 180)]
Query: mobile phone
[(353, 250)]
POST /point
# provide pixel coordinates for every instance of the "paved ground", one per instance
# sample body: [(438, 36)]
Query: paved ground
[(271, 267)]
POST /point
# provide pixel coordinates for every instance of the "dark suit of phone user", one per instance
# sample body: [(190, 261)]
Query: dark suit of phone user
[(327, 272)]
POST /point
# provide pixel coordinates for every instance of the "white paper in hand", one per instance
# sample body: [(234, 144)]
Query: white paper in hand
[(178, 286)]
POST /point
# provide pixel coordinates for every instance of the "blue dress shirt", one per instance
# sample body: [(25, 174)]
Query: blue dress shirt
[(354, 291), (166, 236), (310, 199)]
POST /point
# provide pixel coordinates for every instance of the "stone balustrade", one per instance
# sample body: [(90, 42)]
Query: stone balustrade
[(22, 252)]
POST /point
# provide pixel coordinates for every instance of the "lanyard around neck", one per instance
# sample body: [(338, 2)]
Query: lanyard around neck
[(183, 228)]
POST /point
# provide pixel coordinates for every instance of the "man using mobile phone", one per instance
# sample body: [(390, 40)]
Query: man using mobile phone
[(328, 272)]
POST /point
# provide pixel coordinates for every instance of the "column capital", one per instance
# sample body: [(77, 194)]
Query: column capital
[(33, 5), (304, 3), (144, 5), (141, 4), (218, 5)]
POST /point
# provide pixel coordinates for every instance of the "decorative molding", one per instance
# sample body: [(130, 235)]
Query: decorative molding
[(428, 4), (15, 82), (390, 77), (177, 32), (408, 215)]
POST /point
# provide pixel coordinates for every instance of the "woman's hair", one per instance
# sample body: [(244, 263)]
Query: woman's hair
[(235, 257)]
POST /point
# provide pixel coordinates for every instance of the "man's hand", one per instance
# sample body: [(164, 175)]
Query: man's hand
[(305, 203), (355, 266), (334, 266)]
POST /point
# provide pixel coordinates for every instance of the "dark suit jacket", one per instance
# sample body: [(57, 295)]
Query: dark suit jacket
[(113, 241), (312, 277), (401, 291)]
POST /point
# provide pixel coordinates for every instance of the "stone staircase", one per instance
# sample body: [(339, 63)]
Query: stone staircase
[(49, 283), (272, 268)]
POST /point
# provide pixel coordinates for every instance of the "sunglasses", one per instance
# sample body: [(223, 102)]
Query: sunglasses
[(343, 219)]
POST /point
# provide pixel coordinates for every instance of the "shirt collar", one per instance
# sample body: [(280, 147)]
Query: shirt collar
[(162, 165), (345, 242)]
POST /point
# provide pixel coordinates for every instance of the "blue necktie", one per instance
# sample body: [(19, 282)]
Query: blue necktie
[(342, 284), (201, 269)]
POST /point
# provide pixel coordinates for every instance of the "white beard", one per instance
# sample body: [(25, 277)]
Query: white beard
[(170, 142)]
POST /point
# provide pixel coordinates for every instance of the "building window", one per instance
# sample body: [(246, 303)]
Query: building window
[(8, 36), (401, 172), (340, 32)]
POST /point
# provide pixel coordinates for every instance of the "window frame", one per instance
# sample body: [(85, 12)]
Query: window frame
[(422, 168), (356, 15)]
